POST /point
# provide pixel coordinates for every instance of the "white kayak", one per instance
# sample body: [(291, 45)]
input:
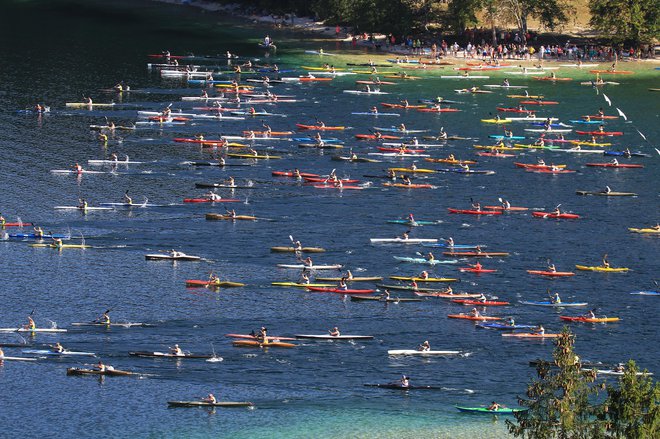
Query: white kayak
[(504, 86), (158, 113), (157, 122), (362, 92), (617, 373), (401, 240), (80, 208), (464, 77), (5, 358), (317, 73), (131, 205), (422, 353), (58, 354), (312, 267), (202, 98), (169, 257), (32, 330), (531, 119), (580, 151), (106, 325), (71, 171), (217, 117), (113, 162), (334, 337)]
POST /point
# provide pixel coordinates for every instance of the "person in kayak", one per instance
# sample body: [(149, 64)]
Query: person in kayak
[(476, 266), (423, 275), (386, 295), (77, 168), (176, 351), (334, 332), (175, 254), (405, 235), (539, 330), (342, 284), (424, 347), (606, 263), (30, 324), (506, 205), (406, 180), (552, 268), (510, 321), (476, 206), (556, 211), (38, 232), (210, 399), (589, 314), (213, 279), (554, 299), (450, 242), (373, 110), (127, 198), (463, 167), (231, 213), (429, 257), (442, 135), (475, 313), (263, 335), (304, 278), (57, 243), (493, 407), (57, 347), (614, 162), (404, 381), (307, 262), (411, 219), (213, 196)]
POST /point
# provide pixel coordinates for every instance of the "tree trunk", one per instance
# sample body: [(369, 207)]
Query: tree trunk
[(494, 33)]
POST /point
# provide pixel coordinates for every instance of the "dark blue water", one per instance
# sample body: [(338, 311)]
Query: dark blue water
[(316, 388)]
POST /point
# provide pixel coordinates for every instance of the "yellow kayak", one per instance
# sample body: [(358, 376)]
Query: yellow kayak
[(418, 171), (428, 279), (525, 97), (242, 87), (585, 143), (496, 120), (601, 269), (646, 230)]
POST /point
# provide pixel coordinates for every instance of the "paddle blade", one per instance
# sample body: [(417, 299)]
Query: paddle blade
[(607, 100), (621, 114)]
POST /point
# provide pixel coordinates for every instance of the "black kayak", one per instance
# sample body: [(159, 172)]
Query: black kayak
[(216, 164), (398, 386), (447, 138), (222, 185)]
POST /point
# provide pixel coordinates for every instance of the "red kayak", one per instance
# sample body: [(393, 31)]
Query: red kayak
[(213, 142), (550, 78), (438, 110), (330, 186), (208, 200), (539, 103), (514, 110), (485, 254), (339, 290), (326, 180), (612, 165), (475, 212), (475, 270), (600, 133), (551, 273), (373, 137), (386, 105), (318, 127), (555, 215), (291, 174), (551, 171), (512, 208), (481, 302), (16, 224), (405, 151), (600, 116)]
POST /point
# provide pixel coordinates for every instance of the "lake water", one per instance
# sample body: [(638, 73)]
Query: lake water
[(58, 52)]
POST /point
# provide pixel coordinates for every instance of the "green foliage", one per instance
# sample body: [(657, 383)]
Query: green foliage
[(633, 21), (463, 13), (631, 409)]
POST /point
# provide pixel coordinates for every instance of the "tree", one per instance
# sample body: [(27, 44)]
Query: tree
[(631, 409), (558, 401), (632, 21), (550, 13)]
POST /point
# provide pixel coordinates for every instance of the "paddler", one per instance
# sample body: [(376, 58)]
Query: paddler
[(386, 295), (342, 284), (493, 407), (82, 204), (57, 347), (175, 254), (607, 190), (464, 166), (551, 268), (176, 351), (231, 213), (3, 221), (105, 318), (405, 235), (589, 314), (30, 324), (555, 299), (476, 206), (77, 168), (442, 134), (213, 196), (404, 381), (304, 278), (231, 182), (475, 313), (510, 321), (391, 174), (402, 127), (424, 347), (556, 211), (210, 399), (505, 83), (450, 242), (614, 162), (38, 232), (57, 243), (213, 279), (127, 199), (406, 180), (307, 262), (373, 110), (429, 257), (297, 246), (476, 266), (606, 263), (506, 205), (423, 275), (263, 335), (539, 330), (334, 332)]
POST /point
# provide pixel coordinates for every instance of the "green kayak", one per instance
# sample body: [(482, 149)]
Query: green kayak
[(485, 410)]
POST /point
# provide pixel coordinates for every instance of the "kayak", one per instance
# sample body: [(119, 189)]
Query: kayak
[(252, 156), (467, 171), (612, 72), (369, 113), (423, 261), (258, 344), (382, 299), (166, 355), (327, 180), (169, 257), (525, 96), (108, 325), (86, 104), (555, 215), (373, 137), (600, 133), (626, 154), (342, 187), (401, 240), (208, 404), (339, 158), (475, 212), (530, 335), (363, 92), (551, 273), (539, 102), (375, 82), (452, 161), (300, 285), (354, 279), (550, 78), (438, 110), (3, 225), (455, 246), (536, 166), (551, 171), (293, 250), (590, 320), (218, 283), (399, 150), (319, 127), (503, 326), (208, 200), (507, 209), (84, 209), (340, 290), (481, 302), (615, 372), (312, 267), (229, 217), (422, 353), (476, 270), (34, 236), (427, 279), (495, 154), (601, 269), (443, 295), (646, 293), (600, 116), (470, 317), (254, 337), (398, 130), (552, 304), (487, 411), (411, 170), (63, 246), (405, 288), (607, 194), (645, 230), (410, 186), (398, 386), (108, 372), (3, 358), (413, 223), (386, 105), (72, 171), (333, 337), (612, 165), (475, 254), (291, 174)]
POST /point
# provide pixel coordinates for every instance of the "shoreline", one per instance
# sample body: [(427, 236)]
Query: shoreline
[(306, 25)]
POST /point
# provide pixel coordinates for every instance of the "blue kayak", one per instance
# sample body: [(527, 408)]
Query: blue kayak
[(623, 153), (553, 125), (206, 81), (495, 325), (309, 139), (368, 113), (33, 236), (646, 293), (466, 171), (590, 122), (445, 245), (499, 137), (415, 223)]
